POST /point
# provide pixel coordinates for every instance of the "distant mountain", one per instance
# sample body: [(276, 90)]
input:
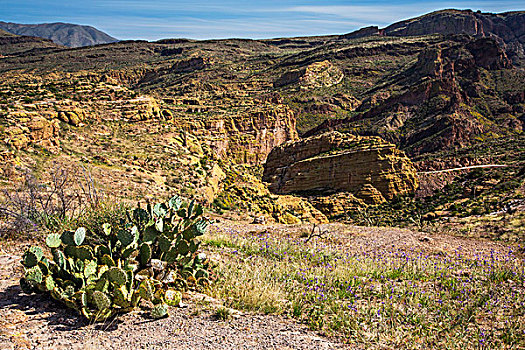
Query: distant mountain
[(72, 35), (507, 28)]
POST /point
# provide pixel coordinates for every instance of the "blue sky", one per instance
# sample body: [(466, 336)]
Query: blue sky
[(200, 19)]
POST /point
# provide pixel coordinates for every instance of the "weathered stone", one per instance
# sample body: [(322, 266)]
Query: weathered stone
[(190, 65), (141, 108), (302, 211), (248, 138), (336, 162), (318, 74), (370, 195), (214, 178), (74, 116), (33, 128), (336, 205)]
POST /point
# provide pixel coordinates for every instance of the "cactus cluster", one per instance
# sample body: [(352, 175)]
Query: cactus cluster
[(153, 255)]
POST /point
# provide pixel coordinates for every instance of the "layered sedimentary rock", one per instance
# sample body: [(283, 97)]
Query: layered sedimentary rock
[(337, 162), (248, 138), (315, 75)]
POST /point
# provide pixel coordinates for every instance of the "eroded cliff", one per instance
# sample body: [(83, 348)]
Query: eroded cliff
[(337, 162)]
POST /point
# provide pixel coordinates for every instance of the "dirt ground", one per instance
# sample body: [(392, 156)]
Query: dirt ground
[(38, 322)]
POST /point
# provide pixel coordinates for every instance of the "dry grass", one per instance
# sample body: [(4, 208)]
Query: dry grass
[(385, 296)]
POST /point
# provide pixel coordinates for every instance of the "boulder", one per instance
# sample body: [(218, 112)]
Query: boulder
[(368, 167), (315, 75), (336, 205), (74, 116)]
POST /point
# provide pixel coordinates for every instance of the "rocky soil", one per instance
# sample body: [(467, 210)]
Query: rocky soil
[(38, 322)]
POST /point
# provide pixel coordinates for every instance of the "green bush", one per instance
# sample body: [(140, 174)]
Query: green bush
[(151, 255)]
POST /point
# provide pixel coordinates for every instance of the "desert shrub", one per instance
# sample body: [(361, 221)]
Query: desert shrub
[(93, 219), (55, 205), (151, 254)]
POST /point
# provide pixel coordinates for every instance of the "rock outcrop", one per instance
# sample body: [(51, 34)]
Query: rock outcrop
[(507, 28), (368, 167), (315, 75), (190, 65), (438, 106), (248, 138), (74, 116), (27, 128), (337, 205)]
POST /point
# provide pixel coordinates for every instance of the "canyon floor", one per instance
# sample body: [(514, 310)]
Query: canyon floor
[(261, 320)]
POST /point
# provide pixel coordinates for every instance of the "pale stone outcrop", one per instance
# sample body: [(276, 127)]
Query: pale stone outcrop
[(368, 167)]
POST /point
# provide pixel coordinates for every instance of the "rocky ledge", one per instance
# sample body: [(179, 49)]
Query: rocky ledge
[(335, 162)]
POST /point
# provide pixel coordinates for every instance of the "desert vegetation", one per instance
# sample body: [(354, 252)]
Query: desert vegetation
[(384, 295), (152, 255), (355, 191)]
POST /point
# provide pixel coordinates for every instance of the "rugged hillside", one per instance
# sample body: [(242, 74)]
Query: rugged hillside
[(458, 92), (507, 28), (66, 34), (13, 45), (201, 117)]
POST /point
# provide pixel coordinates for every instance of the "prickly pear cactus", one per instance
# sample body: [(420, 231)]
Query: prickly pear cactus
[(153, 256)]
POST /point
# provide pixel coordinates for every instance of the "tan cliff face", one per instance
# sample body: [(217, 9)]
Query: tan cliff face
[(336, 162), (249, 138), (315, 75)]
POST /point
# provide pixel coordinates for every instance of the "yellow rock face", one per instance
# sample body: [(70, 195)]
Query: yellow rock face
[(315, 75), (303, 211), (74, 116), (213, 183), (337, 205), (370, 195), (368, 167), (32, 127)]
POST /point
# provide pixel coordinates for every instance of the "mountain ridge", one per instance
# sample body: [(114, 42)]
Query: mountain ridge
[(66, 34), (506, 27)]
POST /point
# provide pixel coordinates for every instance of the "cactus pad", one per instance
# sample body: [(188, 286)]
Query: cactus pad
[(26, 286), (173, 297), (53, 240), (79, 235), (90, 268), (107, 260), (34, 275), (146, 290), (159, 225), (117, 276), (159, 311), (145, 254), (50, 283), (29, 259), (125, 238), (175, 203), (183, 247), (101, 300)]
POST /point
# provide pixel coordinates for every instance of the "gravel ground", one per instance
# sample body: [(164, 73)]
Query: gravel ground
[(38, 322)]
